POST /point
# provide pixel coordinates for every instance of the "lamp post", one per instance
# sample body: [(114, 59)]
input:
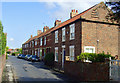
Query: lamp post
[(97, 45)]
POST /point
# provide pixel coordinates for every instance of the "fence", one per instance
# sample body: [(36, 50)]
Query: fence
[(2, 63), (115, 70)]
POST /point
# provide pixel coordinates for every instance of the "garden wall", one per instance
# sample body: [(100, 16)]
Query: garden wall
[(87, 71), (2, 64)]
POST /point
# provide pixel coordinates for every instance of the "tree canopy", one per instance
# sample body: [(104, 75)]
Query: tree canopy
[(115, 14), (2, 40)]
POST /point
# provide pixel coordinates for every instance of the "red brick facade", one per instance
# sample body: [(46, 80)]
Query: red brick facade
[(91, 29)]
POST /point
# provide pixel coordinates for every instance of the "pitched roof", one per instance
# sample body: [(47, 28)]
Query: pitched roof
[(40, 35), (72, 19), (60, 25)]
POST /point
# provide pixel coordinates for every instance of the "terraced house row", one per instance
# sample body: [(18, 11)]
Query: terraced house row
[(89, 31)]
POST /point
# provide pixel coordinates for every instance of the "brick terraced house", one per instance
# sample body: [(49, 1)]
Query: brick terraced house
[(88, 31)]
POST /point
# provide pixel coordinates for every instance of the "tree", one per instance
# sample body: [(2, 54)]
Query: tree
[(115, 14), (20, 51), (7, 48), (2, 40)]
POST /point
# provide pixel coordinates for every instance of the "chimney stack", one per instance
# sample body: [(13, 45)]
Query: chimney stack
[(57, 22), (31, 36), (39, 32), (45, 28), (73, 13)]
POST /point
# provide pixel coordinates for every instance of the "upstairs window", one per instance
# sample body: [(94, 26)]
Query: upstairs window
[(63, 34), (56, 36), (35, 42), (41, 41), (44, 40), (72, 31), (32, 43)]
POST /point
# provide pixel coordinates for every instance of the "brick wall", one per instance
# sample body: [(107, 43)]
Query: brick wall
[(2, 64), (76, 42), (119, 42), (106, 34), (87, 71)]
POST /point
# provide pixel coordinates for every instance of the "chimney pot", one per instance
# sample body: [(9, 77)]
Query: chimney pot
[(73, 13), (57, 22), (31, 36), (39, 32), (74, 10), (45, 28)]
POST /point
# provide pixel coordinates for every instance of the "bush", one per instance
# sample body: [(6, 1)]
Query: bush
[(13, 54), (8, 52), (6, 56), (49, 59), (93, 57)]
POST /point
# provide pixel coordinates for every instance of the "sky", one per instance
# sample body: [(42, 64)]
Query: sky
[(22, 18)]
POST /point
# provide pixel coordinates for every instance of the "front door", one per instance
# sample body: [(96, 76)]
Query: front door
[(63, 57)]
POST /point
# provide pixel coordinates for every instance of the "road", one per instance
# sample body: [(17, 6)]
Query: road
[(34, 71)]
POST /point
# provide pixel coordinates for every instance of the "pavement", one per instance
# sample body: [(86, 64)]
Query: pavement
[(20, 70)]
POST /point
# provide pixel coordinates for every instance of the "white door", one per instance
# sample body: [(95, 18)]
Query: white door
[(63, 57)]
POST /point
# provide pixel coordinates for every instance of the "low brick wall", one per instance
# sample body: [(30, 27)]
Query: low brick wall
[(87, 71), (2, 64)]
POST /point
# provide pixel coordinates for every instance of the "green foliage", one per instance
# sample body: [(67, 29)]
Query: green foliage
[(13, 54), (49, 59), (20, 51), (7, 48), (93, 57), (3, 43), (8, 52), (6, 56), (2, 40), (115, 14)]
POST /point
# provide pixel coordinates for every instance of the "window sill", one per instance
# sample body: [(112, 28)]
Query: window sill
[(72, 38)]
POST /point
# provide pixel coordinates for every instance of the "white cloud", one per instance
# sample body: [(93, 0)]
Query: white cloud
[(11, 39), (65, 7)]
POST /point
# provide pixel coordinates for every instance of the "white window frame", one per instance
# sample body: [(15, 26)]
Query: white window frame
[(32, 43), (56, 36), (35, 42), (63, 34), (41, 41), (72, 57), (40, 52), (89, 47), (56, 48), (45, 40), (72, 31)]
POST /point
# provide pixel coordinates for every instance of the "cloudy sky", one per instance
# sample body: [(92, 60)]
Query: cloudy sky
[(22, 18)]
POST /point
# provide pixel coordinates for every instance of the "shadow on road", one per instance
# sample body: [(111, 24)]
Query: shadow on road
[(63, 77), (43, 80)]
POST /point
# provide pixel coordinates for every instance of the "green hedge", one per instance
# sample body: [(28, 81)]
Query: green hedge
[(49, 59), (93, 57)]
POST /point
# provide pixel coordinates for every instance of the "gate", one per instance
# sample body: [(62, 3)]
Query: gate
[(114, 70)]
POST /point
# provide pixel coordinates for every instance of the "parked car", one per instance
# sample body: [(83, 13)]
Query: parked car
[(19, 56), (27, 57), (35, 58), (23, 56)]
